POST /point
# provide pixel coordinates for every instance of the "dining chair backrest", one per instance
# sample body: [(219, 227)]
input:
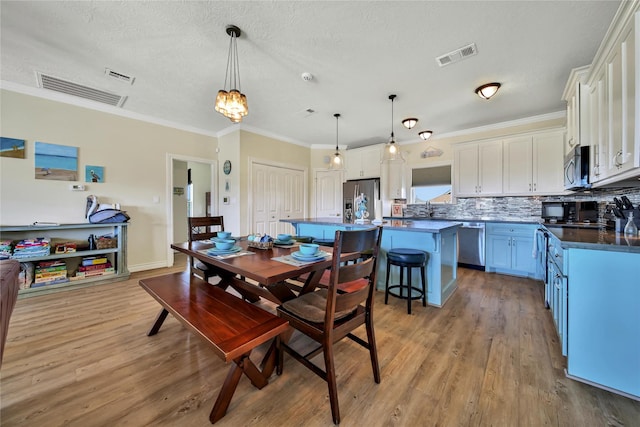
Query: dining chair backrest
[(204, 227), (362, 273)]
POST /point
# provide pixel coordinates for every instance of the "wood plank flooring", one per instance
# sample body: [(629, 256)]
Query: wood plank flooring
[(490, 357)]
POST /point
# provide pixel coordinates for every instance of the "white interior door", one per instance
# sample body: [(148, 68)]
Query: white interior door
[(328, 190), (277, 193)]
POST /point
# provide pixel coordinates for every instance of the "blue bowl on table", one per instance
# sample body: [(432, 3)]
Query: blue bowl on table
[(284, 237), (308, 248), (225, 244), (223, 235)]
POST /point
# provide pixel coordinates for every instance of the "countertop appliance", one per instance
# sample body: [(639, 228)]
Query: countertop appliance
[(352, 189), (471, 245), (570, 212), (576, 169)]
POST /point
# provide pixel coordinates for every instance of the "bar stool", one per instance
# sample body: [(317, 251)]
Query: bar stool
[(323, 242), (409, 259)]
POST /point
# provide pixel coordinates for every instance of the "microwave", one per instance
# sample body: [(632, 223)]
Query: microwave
[(570, 212), (576, 169)]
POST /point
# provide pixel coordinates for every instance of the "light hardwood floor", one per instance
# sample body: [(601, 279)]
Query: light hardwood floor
[(490, 357)]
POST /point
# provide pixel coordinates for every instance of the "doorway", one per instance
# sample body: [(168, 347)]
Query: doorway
[(203, 180)]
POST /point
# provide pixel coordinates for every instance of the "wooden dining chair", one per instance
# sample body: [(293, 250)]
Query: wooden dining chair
[(329, 314), (204, 228)]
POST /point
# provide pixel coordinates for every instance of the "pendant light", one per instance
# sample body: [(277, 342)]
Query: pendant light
[(391, 151), (337, 162), (232, 103)]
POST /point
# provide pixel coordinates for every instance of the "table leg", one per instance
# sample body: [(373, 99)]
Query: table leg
[(159, 321), (240, 365)]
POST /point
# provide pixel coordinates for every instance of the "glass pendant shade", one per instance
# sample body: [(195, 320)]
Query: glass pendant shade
[(232, 103), (391, 151), (336, 162)]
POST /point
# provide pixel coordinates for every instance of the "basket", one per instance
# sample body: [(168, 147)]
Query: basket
[(260, 245), (106, 243)]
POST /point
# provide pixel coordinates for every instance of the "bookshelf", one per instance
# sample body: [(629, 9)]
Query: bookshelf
[(73, 232)]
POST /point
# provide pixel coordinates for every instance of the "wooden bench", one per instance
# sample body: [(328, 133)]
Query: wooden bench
[(232, 326)]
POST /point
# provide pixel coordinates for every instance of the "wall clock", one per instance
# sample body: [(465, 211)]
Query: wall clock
[(227, 167)]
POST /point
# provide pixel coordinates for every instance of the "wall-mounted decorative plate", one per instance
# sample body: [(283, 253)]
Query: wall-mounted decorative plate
[(226, 168)]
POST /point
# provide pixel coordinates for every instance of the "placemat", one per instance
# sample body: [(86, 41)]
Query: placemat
[(225, 256)]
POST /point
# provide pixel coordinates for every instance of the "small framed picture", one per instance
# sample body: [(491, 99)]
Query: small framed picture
[(94, 174)]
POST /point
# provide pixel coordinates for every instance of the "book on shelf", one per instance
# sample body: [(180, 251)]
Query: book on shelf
[(62, 273), (54, 263), (93, 273), (95, 267), (50, 282), (50, 279), (94, 260)]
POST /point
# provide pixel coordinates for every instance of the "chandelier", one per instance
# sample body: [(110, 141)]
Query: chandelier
[(232, 103)]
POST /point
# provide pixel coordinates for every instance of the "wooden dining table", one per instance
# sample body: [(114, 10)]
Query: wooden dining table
[(268, 277)]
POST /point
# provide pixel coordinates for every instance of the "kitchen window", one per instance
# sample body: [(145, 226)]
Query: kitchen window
[(431, 184)]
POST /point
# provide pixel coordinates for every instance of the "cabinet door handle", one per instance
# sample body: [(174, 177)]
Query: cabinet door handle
[(529, 186), (615, 159)]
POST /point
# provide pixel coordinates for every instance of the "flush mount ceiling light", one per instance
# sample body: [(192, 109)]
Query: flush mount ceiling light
[(410, 122), (391, 152), (426, 134), (337, 162), (232, 103), (488, 90)]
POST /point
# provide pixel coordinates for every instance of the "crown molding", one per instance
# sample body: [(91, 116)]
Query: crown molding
[(79, 102)]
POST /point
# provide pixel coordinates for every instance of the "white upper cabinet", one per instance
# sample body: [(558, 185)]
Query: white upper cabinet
[(576, 96), (614, 102), (598, 128), (363, 162), (478, 169), (533, 164)]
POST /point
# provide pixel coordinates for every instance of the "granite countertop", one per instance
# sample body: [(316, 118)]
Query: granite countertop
[(396, 224), (533, 220), (594, 238)]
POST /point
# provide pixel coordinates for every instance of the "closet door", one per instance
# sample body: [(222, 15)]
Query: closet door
[(277, 193)]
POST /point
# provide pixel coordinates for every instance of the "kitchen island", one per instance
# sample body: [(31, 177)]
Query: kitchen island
[(438, 238), (596, 276)]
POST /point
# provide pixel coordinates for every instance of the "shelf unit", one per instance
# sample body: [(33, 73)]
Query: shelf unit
[(117, 255)]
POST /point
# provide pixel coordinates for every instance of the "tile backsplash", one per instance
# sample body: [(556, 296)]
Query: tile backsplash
[(521, 208)]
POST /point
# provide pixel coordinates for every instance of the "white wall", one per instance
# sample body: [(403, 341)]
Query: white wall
[(180, 227), (133, 153)]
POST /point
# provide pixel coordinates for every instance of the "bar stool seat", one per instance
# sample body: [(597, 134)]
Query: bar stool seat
[(323, 242), (406, 259), (303, 239)]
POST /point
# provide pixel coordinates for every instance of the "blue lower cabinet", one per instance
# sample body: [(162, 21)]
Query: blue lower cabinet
[(510, 249), (604, 319)]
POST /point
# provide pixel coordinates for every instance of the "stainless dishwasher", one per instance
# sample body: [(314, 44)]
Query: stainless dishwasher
[(471, 245)]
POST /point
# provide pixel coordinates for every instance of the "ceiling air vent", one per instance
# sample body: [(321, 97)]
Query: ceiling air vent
[(457, 55), (119, 76), (74, 89)]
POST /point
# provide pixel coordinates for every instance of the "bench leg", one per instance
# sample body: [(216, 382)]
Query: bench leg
[(240, 365), (159, 320)]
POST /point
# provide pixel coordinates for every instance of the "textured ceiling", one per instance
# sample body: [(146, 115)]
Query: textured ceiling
[(358, 51)]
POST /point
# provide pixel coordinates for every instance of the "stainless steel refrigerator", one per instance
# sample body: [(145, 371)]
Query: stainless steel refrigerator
[(355, 189)]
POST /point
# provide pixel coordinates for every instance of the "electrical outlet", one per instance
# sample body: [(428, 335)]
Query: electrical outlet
[(76, 187)]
